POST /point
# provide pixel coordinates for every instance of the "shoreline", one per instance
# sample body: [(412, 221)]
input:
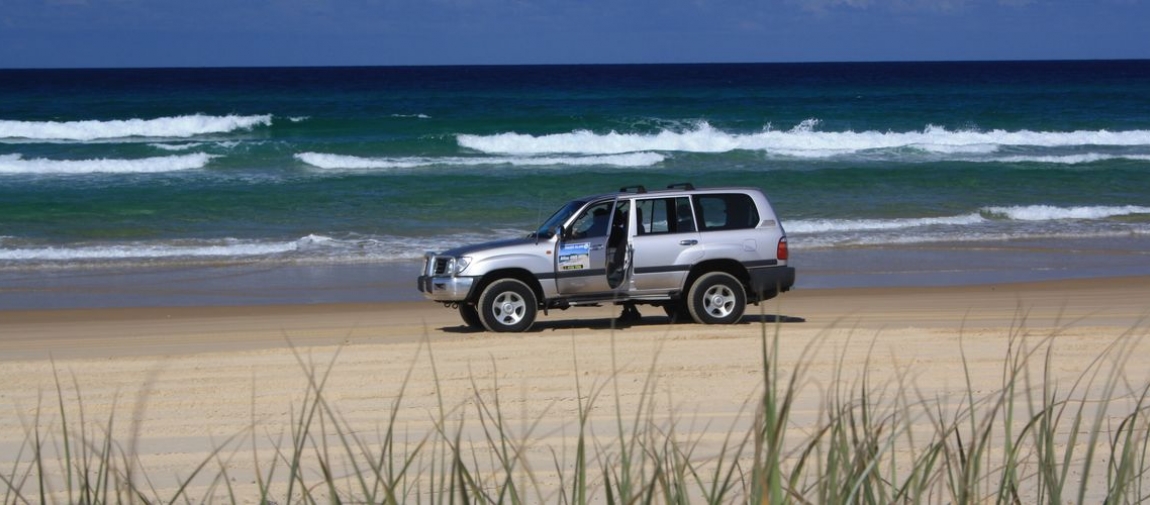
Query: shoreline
[(272, 283), (139, 331)]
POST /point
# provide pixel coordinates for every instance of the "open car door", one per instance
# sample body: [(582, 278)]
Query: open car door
[(592, 253)]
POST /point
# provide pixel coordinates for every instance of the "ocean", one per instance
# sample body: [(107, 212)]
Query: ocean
[(329, 184)]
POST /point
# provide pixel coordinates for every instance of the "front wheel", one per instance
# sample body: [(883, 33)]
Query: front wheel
[(507, 305), (717, 298)]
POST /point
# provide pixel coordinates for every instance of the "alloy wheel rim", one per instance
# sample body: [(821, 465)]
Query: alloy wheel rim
[(509, 308), (719, 301)]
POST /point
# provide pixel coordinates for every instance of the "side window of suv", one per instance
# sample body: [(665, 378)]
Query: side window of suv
[(664, 215), (593, 222), (733, 211)]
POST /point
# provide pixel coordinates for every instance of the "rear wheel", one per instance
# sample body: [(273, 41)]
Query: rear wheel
[(507, 305), (470, 316), (717, 298)]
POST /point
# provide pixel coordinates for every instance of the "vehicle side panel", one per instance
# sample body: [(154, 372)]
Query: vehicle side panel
[(661, 262)]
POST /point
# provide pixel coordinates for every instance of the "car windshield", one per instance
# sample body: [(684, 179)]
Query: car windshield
[(547, 229)]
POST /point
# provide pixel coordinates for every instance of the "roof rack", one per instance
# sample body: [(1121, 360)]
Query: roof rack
[(681, 185), (633, 189)]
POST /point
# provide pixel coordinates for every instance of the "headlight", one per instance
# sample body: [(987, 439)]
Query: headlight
[(461, 264)]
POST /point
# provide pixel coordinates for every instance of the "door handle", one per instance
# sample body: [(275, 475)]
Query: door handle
[(688, 242), (596, 247)]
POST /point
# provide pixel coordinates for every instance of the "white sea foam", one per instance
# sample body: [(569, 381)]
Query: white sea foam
[(143, 250), (1049, 213), (704, 138), (838, 225), (1069, 159), (984, 216), (186, 146), (16, 164), (801, 141), (310, 248), (177, 147), (990, 224), (164, 127), (337, 161)]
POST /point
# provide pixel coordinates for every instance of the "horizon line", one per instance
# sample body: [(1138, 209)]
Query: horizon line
[(491, 65)]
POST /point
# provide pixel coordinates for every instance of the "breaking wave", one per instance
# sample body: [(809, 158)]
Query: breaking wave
[(337, 161), (164, 127), (141, 250), (987, 224), (1048, 212), (310, 248), (16, 164), (984, 215), (1069, 159), (838, 225), (803, 141)]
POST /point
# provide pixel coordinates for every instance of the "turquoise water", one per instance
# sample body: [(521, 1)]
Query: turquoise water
[(326, 166)]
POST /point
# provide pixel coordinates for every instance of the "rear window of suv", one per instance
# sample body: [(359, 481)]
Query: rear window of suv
[(733, 211)]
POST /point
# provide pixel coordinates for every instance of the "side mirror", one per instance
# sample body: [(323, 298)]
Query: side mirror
[(548, 234)]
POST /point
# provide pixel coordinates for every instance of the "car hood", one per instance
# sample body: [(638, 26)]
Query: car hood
[(487, 246)]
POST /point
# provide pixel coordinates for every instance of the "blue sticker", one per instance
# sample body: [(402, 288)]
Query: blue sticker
[(575, 256)]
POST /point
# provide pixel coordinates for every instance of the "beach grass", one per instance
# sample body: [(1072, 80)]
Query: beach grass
[(1032, 440)]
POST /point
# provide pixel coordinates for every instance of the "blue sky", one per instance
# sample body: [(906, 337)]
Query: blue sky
[(150, 33)]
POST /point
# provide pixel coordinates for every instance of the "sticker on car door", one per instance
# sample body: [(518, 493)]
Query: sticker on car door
[(575, 257)]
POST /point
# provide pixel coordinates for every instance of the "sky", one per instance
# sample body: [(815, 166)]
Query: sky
[(213, 33)]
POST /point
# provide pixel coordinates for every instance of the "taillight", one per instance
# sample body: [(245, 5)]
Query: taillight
[(782, 253)]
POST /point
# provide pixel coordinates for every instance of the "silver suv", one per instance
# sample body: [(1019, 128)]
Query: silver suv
[(701, 254)]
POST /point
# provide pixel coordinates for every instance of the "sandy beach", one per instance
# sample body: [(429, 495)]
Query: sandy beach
[(226, 385)]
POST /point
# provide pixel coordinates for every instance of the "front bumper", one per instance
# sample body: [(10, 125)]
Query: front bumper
[(444, 288)]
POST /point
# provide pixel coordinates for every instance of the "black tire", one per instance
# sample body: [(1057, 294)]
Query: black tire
[(507, 305), (470, 316), (717, 298)]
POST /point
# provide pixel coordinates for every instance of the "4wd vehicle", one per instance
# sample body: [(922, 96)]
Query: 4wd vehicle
[(701, 254)]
